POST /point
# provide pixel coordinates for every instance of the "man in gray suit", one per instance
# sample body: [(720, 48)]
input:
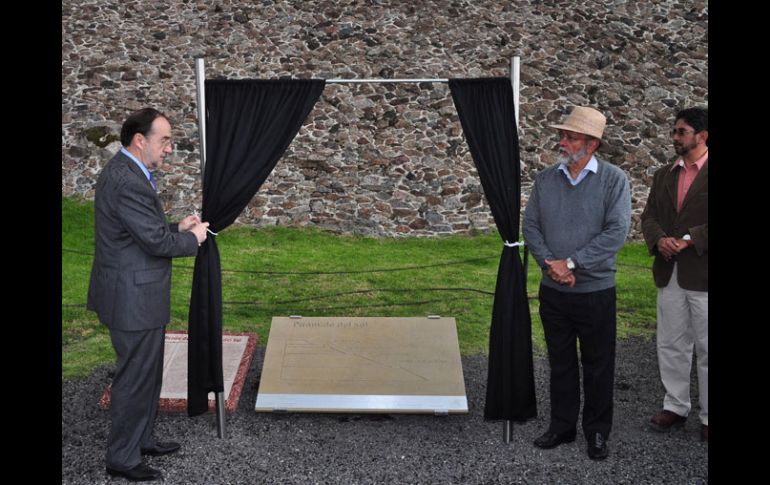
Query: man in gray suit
[(130, 287)]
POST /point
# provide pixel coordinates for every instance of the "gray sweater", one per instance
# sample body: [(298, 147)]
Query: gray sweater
[(588, 222)]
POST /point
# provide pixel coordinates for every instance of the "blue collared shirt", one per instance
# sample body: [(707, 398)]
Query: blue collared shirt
[(591, 166), (136, 161)]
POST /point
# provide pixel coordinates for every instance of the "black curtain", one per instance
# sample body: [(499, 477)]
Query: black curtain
[(487, 116), (250, 123)]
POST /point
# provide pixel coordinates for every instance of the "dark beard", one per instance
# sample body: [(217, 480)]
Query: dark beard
[(683, 150)]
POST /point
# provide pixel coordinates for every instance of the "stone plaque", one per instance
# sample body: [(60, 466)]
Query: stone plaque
[(237, 351), (362, 364)]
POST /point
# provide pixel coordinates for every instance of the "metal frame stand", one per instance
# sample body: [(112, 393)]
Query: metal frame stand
[(200, 80)]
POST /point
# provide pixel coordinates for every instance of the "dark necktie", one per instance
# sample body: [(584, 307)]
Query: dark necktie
[(152, 181)]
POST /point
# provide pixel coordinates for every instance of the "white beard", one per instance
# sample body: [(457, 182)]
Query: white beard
[(571, 160)]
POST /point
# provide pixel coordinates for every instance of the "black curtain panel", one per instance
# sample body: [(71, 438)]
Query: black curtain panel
[(249, 125), (487, 116)]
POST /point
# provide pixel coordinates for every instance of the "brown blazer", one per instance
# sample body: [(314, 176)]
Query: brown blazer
[(661, 219)]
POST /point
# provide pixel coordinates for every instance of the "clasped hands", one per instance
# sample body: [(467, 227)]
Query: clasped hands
[(558, 271), (669, 247), (193, 224)]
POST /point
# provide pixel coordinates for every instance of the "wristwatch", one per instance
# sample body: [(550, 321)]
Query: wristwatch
[(570, 264), (686, 237)]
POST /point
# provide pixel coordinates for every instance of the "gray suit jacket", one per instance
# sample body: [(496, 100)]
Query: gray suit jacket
[(130, 287)]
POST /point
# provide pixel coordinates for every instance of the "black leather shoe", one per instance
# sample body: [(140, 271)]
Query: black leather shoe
[(140, 473), (161, 448), (551, 440), (597, 447)]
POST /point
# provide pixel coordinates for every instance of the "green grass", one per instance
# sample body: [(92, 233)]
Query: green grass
[(457, 286)]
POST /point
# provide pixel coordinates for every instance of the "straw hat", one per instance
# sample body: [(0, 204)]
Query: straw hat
[(584, 120)]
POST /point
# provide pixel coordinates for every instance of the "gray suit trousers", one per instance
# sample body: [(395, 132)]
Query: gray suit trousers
[(135, 394)]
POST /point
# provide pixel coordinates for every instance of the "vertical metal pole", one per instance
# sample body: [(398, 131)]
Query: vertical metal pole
[(200, 80), (515, 68), (515, 60), (221, 431), (507, 424), (507, 431)]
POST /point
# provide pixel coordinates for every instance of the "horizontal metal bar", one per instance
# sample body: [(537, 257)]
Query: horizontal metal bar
[(349, 81)]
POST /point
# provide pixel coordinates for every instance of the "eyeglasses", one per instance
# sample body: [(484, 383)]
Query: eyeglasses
[(163, 142), (571, 137), (681, 131)]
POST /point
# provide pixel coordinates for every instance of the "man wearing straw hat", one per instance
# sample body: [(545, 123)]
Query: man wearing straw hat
[(577, 219)]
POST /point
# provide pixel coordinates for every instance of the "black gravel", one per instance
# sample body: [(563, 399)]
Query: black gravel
[(388, 449)]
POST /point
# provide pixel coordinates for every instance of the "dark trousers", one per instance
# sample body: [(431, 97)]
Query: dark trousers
[(135, 394), (590, 319)]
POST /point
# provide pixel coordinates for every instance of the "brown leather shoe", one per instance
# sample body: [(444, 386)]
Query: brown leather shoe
[(704, 432), (666, 421)]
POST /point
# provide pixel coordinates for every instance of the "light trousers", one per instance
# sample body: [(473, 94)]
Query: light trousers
[(683, 325)]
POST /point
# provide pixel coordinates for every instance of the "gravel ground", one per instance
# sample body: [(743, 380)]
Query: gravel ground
[(409, 449)]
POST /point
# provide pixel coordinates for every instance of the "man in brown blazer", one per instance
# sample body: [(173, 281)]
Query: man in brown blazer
[(675, 228), (130, 287)]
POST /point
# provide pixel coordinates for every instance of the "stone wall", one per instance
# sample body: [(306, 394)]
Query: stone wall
[(381, 159)]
